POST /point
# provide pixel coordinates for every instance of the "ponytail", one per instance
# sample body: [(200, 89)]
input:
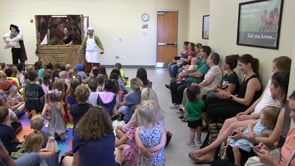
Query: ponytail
[(255, 66), (232, 61)]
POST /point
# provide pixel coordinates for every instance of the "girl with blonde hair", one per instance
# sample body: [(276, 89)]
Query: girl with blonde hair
[(33, 144), (150, 136)]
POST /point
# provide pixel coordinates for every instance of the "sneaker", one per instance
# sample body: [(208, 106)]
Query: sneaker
[(169, 136), (199, 141), (175, 107), (190, 144), (184, 119), (32, 113), (167, 86), (180, 111)]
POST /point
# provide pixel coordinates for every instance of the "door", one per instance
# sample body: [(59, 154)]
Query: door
[(167, 33)]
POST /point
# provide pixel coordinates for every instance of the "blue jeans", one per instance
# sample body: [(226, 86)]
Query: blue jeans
[(172, 68), (28, 159), (179, 70), (18, 113)]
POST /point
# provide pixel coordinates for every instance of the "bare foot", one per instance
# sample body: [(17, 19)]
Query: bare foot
[(207, 157), (195, 154), (204, 159)]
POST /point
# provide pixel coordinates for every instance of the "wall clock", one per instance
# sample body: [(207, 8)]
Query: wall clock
[(145, 17)]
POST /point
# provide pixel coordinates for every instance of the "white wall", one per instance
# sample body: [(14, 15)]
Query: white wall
[(292, 78), (197, 8), (223, 32), (111, 19), (117, 18)]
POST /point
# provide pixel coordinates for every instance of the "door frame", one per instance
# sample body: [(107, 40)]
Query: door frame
[(162, 64)]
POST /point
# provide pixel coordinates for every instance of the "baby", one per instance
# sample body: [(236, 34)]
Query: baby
[(8, 44), (187, 69)]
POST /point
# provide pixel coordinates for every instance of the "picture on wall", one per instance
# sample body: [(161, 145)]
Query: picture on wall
[(205, 27), (259, 23)]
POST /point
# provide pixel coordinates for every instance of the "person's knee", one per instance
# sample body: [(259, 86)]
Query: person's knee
[(192, 130), (232, 126), (180, 89), (173, 85), (228, 122), (236, 149), (67, 161)]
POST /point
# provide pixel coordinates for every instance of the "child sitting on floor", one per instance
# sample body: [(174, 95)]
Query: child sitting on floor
[(71, 98), (79, 109), (34, 95), (93, 95), (146, 94), (5, 84), (115, 74), (122, 72), (37, 123), (81, 72), (7, 134), (12, 120), (126, 107), (129, 150), (107, 98), (100, 82), (33, 144)]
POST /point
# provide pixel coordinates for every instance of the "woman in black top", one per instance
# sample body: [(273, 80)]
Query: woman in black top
[(250, 89), (67, 37)]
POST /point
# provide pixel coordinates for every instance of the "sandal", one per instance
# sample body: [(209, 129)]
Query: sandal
[(183, 119)]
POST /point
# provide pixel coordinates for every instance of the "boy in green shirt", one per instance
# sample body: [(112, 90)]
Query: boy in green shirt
[(194, 108)]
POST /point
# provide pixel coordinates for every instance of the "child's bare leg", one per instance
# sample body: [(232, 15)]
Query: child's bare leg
[(199, 134), (228, 122), (115, 110), (222, 136), (237, 155), (67, 161), (204, 119), (225, 147), (118, 156), (192, 136), (223, 157)]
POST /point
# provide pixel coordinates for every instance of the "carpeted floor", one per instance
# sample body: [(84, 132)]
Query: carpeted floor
[(63, 146)]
